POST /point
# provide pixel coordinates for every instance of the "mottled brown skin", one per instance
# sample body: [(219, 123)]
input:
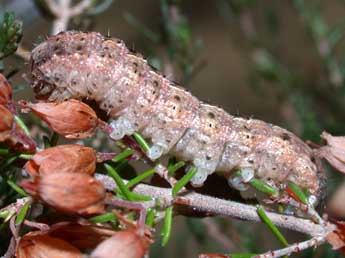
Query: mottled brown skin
[(90, 66)]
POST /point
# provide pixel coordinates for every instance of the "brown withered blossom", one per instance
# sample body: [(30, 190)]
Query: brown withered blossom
[(73, 232), (5, 91), (72, 119), (6, 123), (37, 244), (74, 193), (69, 158), (337, 238), (124, 244), (334, 151)]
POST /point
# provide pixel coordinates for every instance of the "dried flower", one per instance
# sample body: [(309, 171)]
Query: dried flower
[(124, 244), (72, 232), (334, 151), (337, 238), (74, 193), (72, 119), (69, 158), (5, 90), (6, 122), (20, 141), (36, 244)]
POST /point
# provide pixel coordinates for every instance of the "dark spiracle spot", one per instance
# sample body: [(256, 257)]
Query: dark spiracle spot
[(208, 157), (177, 98), (285, 137), (211, 115)]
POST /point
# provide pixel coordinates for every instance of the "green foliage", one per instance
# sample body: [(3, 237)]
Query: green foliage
[(166, 229), (22, 213), (10, 34), (183, 181), (271, 226)]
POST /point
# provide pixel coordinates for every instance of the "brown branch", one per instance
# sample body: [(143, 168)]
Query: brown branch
[(226, 208)]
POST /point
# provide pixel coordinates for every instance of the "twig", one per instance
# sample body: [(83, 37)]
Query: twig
[(163, 172), (63, 12), (23, 53), (16, 206), (295, 248), (37, 225), (134, 206), (227, 208), (11, 249)]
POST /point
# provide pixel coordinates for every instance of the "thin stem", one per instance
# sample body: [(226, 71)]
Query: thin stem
[(227, 208), (295, 248)]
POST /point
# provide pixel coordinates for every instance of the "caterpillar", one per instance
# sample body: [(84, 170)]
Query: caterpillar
[(87, 65)]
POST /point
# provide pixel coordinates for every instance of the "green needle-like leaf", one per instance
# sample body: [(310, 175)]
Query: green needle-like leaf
[(271, 226), (150, 218), (183, 181), (7, 214), (126, 153), (22, 125), (140, 177), (166, 229), (173, 168), (25, 156), (262, 187), (141, 141), (4, 151), (16, 188), (139, 197), (8, 161), (123, 188), (106, 217), (22, 214), (298, 192), (10, 34)]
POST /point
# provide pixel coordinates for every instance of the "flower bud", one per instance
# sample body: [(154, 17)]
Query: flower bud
[(6, 122), (72, 118), (124, 244), (36, 244), (69, 158), (74, 193), (5, 90)]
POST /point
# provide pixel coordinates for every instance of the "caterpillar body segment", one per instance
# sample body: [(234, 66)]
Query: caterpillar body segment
[(137, 98)]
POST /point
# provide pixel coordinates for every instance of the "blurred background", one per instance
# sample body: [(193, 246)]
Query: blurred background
[(279, 61)]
